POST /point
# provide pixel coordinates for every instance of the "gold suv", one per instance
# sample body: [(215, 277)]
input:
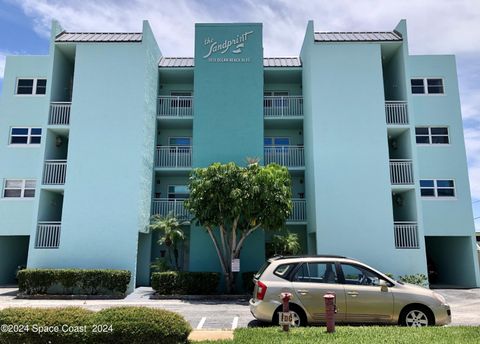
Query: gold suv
[(363, 294)]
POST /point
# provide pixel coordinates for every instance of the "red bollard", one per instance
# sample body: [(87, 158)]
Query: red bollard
[(285, 322), (330, 311)]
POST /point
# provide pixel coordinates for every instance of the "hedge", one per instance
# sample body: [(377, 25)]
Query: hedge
[(73, 282), (185, 283), (247, 281), (132, 325)]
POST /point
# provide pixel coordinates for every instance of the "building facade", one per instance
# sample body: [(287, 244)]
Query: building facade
[(103, 132)]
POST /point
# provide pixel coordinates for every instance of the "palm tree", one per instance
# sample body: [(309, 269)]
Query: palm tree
[(171, 233), (287, 244)]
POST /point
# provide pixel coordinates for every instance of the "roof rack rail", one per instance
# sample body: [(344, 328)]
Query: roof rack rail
[(277, 257)]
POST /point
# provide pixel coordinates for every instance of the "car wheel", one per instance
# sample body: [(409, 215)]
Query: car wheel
[(416, 316), (298, 316)]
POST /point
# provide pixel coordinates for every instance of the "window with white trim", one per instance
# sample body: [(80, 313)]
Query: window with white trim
[(439, 188), (184, 99), (180, 141), (276, 141), (178, 192), (25, 136), (19, 188), (432, 135), (427, 86), (269, 100), (32, 86)]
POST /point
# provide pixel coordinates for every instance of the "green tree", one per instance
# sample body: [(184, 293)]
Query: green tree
[(287, 244), (231, 202), (171, 233)]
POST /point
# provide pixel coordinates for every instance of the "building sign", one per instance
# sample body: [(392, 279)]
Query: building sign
[(235, 265), (217, 50)]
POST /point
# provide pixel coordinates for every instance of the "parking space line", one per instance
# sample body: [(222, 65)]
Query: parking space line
[(200, 324), (234, 323)]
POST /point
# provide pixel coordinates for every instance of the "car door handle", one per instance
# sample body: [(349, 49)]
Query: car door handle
[(353, 293), (302, 291)]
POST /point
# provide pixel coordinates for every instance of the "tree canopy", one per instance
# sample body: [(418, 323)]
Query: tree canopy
[(236, 201)]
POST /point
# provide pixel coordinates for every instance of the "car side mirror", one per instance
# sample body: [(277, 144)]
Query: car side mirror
[(383, 286)]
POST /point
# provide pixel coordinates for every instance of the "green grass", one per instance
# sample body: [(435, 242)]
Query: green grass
[(357, 335)]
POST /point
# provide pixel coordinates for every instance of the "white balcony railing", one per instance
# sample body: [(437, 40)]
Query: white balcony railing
[(55, 172), (401, 172), (48, 235), (289, 156), (173, 156), (299, 211), (172, 106), (164, 206), (59, 113), (396, 112), (406, 235), (287, 106)]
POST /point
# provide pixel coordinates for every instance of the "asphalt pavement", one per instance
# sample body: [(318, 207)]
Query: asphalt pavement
[(228, 314)]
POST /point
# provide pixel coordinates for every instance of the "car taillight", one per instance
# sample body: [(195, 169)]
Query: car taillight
[(261, 290)]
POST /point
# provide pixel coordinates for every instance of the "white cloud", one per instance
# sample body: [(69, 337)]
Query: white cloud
[(435, 26)]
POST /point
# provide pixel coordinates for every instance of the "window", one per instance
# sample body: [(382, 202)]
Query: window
[(178, 192), (31, 86), (427, 86), (276, 141), (357, 275), (270, 101), (432, 135), (317, 273), (180, 141), (184, 100), (437, 188), (19, 188), (25, 136)]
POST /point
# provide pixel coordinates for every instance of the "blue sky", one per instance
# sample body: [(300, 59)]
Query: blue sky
[(435, 27)]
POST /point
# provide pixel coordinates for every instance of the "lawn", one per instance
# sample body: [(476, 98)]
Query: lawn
[(357, 335)]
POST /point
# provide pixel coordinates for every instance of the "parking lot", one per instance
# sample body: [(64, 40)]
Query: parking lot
[(228, 314)]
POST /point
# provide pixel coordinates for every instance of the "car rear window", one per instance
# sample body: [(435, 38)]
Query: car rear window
[(283, 270), (262, 269)]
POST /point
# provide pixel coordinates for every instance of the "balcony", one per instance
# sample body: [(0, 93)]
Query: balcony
[(59, 113), (289, 156), (299, 211), (396, 112), (406, 235), (173, 157), (165, 206), (401, 172), (54, 172), (175, 106), (283, 106), (48, 235)]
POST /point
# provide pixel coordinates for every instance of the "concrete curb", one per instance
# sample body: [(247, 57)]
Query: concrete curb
[(201, 297), (199, 335), (69, 297)]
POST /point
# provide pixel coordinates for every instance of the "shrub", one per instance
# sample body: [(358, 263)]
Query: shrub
[(185, 283), (73, 281), (132, 325), (418, 279), (39, 319), (77, 325)]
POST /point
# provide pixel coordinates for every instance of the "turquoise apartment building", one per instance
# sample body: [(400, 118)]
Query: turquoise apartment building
[(102, 132)]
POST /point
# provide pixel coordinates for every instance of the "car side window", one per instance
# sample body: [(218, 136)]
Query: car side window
[(358, 275), (316, 273)]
